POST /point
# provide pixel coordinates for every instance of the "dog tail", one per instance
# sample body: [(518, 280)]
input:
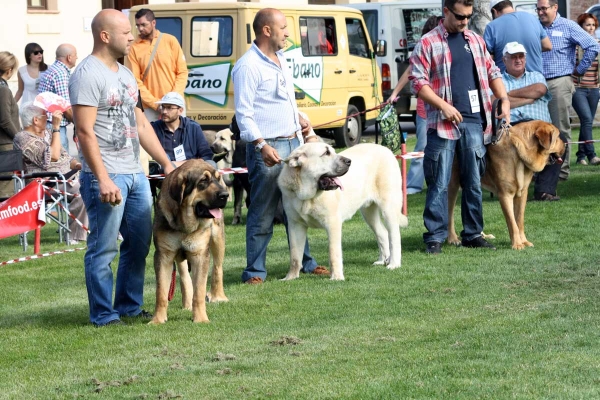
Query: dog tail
[(403, 221)]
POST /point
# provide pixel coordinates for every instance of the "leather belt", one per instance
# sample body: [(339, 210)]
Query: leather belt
[(556, 77), (292, 136)]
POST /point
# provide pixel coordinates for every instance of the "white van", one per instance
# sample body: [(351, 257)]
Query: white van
[(399, 24)]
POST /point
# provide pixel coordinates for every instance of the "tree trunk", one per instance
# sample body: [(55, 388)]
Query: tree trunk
[(481, 16)]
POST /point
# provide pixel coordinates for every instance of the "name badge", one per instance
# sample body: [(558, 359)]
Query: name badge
[(179, 153), (557, 33), (474, 100)]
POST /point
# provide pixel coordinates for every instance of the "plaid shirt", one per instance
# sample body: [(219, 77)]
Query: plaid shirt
[(565, 36), (56, 80), (537, 110), (431, 61)]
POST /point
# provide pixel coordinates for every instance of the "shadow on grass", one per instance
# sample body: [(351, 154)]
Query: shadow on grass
[(47, 317)]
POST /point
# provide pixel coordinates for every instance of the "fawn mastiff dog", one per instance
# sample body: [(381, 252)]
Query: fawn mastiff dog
[(188, 225), (527, 148), (322, 189)]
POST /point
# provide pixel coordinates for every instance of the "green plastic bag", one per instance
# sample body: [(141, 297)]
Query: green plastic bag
[(390, 129)]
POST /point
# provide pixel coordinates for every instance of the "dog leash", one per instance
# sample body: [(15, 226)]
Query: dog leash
[(498, 131), (379, 107)]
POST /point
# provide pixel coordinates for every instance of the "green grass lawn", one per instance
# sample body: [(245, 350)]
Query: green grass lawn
[(468, 324)]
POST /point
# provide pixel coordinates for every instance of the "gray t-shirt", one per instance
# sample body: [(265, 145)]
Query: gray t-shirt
[(115, 94)]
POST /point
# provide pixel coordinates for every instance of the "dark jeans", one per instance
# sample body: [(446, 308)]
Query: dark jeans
[(437, 165), (585, 103), (547, 179)]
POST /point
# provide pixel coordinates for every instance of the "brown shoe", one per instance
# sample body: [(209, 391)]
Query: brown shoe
[(255, 280), (545, 197), (320, 271)]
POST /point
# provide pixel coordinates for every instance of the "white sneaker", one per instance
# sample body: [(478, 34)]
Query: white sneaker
[(73, 242)]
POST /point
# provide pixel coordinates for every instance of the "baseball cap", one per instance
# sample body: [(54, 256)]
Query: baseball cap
[(172, 98), (493, 3), (513, 48)]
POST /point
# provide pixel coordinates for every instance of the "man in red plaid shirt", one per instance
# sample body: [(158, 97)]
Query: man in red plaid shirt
[(452, 72)]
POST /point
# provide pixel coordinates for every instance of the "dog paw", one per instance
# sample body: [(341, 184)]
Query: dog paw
[(157, 321), (528, 243), (289, 277), (337, 277), (201, 320), (216, 298), (454, 240), (235, 221), (393, 266), (379, 262)]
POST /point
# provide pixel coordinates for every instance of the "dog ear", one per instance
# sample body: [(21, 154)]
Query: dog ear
[(176, 184), (296, 160), (544, 135)]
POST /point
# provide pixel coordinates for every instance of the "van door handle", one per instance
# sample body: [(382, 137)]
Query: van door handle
[(337, 71), (352, 71)]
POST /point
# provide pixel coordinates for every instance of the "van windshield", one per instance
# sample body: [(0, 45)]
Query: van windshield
[(370, 17)]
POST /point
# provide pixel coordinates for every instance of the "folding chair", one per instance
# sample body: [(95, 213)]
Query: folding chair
[(11, 162)]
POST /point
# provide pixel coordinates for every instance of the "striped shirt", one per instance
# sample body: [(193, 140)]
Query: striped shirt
[(265, 103), (590, 79), (565, 36), (539, 108), (431, 61), (56, 80)]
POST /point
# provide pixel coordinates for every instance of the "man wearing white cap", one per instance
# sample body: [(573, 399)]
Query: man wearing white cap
[(510, 26), (527, 90), (181, 138)]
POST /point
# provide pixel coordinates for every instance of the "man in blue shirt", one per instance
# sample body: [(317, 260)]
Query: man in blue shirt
[(268, 118), (510, 26), (559, 65), (181, 138), (527, 90)]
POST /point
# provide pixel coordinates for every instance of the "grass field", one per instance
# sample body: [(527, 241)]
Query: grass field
[(468, 324)]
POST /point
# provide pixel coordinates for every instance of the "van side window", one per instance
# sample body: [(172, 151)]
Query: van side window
[(212, 36), (170, 25), (317, 36), (357, 40)]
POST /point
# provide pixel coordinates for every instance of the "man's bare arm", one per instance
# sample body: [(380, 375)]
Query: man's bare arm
[(150, 142), (546, 44), (534, 91)]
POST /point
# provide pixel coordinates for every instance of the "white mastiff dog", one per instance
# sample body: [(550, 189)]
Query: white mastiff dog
[(322, 189)]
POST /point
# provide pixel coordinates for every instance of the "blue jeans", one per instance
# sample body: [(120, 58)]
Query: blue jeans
[(264, 197), (133, 219), (416, 176), (585, 103), (437, 164)]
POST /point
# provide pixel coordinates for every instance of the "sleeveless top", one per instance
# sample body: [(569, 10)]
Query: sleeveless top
[(30, 85)]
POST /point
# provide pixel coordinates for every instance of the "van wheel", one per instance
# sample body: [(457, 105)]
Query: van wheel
[(349, 134)]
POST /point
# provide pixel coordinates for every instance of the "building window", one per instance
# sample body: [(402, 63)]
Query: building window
[(37, 5)]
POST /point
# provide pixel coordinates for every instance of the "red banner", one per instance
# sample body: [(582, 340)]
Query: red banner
[(24, 211)]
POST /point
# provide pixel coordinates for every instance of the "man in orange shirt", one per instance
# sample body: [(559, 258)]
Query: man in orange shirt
[(160, 74)]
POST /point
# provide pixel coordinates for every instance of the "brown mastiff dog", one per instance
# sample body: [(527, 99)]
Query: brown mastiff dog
[(527, 148), (188, 224)]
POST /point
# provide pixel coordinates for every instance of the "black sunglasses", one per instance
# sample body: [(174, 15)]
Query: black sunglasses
[(35, 53), (459, 16)]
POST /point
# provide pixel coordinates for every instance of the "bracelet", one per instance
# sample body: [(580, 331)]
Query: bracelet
[(55, 130)]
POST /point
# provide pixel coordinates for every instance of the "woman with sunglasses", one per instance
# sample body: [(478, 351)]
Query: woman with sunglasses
[(585, 98), (29, 75)]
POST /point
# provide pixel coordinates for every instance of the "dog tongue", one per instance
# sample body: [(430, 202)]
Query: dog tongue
[(337, 181), (216, 212)]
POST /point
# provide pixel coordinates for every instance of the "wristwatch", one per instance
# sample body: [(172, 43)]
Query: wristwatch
[(258, 146), (55, 130)]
